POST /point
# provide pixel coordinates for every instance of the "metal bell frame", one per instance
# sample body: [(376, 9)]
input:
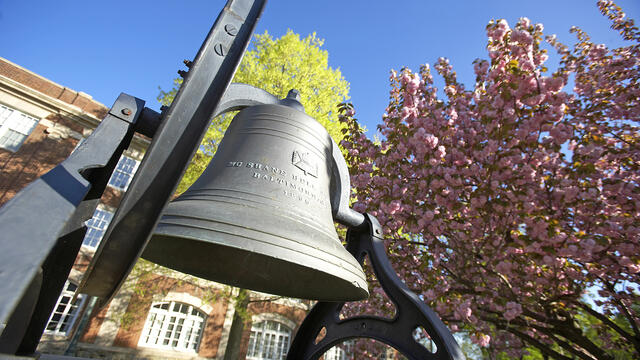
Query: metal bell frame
[(411, 312), (32, 273)]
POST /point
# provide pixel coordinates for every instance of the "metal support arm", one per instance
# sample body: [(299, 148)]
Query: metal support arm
[(174, 143), (411, 312), (43, 227)]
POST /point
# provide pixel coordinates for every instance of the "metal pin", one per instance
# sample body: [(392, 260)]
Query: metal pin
[(219, 49), (231, 29)]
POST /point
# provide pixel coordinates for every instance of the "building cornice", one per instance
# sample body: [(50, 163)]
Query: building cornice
[(47, 103), (16, 80), (59, 107)]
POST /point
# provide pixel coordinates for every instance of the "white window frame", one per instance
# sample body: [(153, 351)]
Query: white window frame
[(123, 173), (343, 351), (65, 313), (12, 122), (167, 327), (267, 343), (96, 227)]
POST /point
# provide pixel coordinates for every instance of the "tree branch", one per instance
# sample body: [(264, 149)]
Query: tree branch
[(608, 322), (622, 308), (545, 349), (580, 345)]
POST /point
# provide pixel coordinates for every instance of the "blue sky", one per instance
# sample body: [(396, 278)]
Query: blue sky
[(107, 47)]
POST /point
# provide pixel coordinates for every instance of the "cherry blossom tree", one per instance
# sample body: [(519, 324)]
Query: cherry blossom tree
[(513, 207)]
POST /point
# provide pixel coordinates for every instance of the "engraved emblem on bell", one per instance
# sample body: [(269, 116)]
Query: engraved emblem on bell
[(255, 220), (302, 160)]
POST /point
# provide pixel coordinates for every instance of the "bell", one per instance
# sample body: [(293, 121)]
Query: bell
[(260, 215)]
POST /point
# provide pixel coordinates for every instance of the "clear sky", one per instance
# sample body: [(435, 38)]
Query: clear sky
[(107, 47)]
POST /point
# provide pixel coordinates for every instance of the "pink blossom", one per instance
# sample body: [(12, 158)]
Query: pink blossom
[(428, 215), (524, 22), (481, 339), (394, 207), (513, 310), (485, 209), (521, 36), (431, 141)]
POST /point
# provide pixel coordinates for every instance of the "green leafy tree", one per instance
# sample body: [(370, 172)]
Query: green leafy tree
[(277, 66)]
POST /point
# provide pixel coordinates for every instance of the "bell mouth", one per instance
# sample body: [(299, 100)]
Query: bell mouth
[(271, 256), (255, 271)]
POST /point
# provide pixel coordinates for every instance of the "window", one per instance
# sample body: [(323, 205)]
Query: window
[(96, 227), (269, 340), (14, 128), (173, 325), (123, 173), (340, 352), (65, 312), (335, 353)]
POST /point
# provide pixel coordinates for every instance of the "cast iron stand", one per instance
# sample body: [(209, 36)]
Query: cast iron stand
[(411, 312)]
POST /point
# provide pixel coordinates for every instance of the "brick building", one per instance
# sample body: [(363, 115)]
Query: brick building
[(158, 314)]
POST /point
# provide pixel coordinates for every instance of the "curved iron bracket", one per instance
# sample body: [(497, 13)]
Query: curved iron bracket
[(341, 191), (239, 96), (411, 312)]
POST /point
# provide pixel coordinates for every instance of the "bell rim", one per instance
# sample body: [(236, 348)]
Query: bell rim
[(355, 266), (338, 276)]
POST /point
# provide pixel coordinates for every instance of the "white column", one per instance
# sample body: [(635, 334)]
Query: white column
[(226, 327)]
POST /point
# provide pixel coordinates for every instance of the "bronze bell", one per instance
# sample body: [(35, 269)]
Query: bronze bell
[(260, 216)]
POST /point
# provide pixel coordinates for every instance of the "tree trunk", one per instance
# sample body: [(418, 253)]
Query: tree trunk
[(234, 344)]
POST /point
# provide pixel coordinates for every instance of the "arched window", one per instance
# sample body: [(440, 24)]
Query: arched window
[(269, 340), (173, 325)]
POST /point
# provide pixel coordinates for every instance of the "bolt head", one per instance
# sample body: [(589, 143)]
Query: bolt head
[(126, 111), (231, 29), (294, 94), (219, 49)]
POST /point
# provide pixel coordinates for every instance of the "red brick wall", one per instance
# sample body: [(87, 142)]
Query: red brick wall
[(213, 330), (37, 155), (135, 316), (91, 331)]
